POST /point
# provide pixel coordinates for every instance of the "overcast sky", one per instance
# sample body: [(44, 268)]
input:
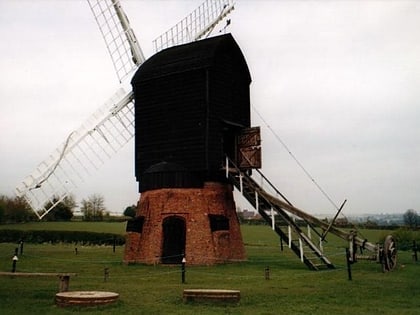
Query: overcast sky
[(337, 81)]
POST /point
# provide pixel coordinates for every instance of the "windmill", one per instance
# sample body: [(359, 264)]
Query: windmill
[(111, 126), (186, 210)]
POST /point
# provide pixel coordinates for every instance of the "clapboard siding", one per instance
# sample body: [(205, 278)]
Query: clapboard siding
[(183, 98)]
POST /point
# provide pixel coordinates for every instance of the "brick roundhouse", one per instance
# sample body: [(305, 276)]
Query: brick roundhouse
[(191, 103)]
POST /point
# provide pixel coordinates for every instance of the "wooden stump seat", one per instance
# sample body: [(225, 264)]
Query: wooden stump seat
[(211, 295), (85, 298)]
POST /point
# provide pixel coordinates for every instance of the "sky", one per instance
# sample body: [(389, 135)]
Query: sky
[(335, 86)]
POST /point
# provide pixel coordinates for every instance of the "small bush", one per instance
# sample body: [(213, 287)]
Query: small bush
[(405, 237)]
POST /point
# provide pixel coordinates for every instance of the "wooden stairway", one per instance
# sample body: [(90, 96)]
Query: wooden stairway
[(272, 210)]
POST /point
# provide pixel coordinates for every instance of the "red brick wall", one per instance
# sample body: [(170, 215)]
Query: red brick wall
[(202, 246)]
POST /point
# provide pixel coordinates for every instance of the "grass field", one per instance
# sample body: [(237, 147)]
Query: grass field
[(291, 289)]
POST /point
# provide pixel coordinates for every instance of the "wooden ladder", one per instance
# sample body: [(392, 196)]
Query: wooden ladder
[(280, 221)]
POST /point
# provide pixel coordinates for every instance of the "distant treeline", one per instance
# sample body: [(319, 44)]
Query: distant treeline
[(347, 225), (406, 236)]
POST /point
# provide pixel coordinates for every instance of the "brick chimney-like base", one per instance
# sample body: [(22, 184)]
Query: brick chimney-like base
[(200, 223)]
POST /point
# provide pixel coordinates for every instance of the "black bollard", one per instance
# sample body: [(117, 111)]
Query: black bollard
[(21, 247), (75, 250), (14, 261), (183, 269), (115, 241)]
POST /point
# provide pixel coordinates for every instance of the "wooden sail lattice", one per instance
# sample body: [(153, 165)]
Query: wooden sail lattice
[(82, 153), (120, 40), (111, 126), (196, 25)]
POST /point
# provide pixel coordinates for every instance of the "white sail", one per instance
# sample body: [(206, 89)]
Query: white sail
[(111, 126), (82, 153)]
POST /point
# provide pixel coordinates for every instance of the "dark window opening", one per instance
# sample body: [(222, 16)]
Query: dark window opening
[(173, 240), (229, 144), (135, 225), (218, 222)]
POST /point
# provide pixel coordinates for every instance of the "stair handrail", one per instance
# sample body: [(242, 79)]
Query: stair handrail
[(230, 162), (251, 183)]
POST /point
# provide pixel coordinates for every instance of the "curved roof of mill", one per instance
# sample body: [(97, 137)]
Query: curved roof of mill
[(200, 54)]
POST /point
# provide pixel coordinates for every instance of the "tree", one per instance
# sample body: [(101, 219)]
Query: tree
[(63, 211), (93, 208), (411, 218), (130, 211), (1, 212), (15, 209)]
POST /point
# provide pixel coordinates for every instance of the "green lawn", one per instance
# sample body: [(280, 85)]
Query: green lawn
[(292, 289)]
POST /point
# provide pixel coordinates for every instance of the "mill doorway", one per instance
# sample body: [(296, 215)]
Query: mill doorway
[(173, 240)]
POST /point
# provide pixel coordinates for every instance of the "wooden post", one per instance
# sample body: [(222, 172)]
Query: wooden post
[(281, 243), (257, 207), (333, 220), (348, 263), (301, 249), (273, 222), (321, 245), (64, 283), (267, 273), (106, 274), (21, 247)]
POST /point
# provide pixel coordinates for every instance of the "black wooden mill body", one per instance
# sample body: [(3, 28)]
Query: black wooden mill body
[(191, 101)]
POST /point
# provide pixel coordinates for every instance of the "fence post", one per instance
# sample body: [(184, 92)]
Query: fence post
[(267, 273), (21, 247), (106, 274)]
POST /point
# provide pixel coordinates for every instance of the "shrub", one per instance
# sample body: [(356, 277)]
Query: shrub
[(405, 237)]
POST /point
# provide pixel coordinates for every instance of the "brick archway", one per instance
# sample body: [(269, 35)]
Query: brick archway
[(198, 222)]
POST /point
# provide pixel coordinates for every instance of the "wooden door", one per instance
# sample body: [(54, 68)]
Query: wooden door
[(249, 148)]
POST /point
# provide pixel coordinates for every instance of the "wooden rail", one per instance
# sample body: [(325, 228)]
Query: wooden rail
[(63, 278)]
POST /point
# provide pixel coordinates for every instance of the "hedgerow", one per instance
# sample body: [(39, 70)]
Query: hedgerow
[(44, 236)]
